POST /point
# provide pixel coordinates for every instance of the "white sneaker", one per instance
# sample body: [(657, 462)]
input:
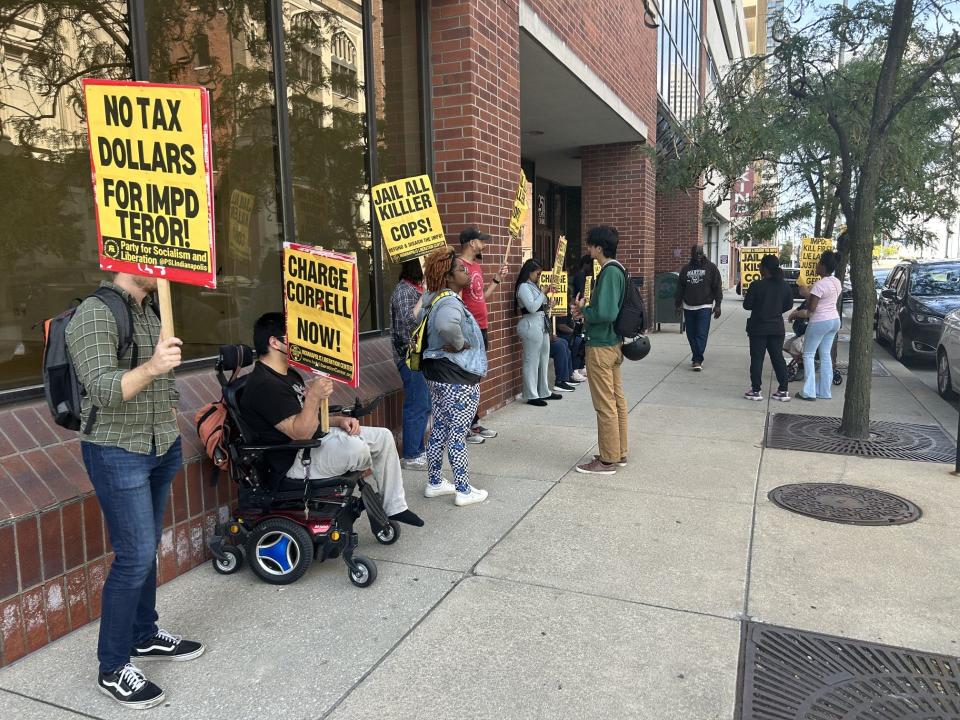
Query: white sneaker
[(565, 388), (476, 495), (444, 488), (417, 463), (579, 376)]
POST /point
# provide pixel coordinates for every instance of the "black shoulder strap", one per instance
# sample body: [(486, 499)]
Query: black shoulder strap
[(124, 317), (626, 277)]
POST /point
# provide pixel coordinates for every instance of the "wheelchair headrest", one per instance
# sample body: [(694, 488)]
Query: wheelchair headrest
[(234, 357)]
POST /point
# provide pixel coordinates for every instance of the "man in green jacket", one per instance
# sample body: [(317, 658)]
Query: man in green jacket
[(604, 354)]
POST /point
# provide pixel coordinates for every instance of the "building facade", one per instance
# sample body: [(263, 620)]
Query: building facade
[(313, 102)]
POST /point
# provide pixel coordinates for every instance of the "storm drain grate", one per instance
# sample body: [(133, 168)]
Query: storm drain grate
[(878, 369), (890, 440), (796, 675), (848, 504)]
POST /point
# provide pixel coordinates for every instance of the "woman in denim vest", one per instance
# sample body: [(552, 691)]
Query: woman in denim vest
[(454, 362)]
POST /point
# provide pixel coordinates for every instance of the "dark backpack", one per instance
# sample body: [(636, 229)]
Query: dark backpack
[(631, 320), (60, 384)]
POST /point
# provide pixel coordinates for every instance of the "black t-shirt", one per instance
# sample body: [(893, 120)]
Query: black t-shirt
[(268, 399)]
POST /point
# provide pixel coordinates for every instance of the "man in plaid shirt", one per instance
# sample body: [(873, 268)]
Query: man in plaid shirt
[(131, 452)]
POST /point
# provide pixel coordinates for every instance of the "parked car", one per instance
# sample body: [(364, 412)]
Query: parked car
[(948, 357), (879, 278), (792, 276), (912, 304)]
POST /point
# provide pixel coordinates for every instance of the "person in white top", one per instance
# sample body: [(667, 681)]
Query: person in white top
[(824, 323)]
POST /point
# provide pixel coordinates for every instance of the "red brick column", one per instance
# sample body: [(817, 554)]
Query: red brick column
[(618, 189), (475, 46), (679, 225)]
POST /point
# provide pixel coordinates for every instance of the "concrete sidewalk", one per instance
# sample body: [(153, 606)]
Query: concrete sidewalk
[(567, 595)]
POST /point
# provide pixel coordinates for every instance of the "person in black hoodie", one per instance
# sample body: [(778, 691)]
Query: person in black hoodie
[(767, 299), (699, 293)]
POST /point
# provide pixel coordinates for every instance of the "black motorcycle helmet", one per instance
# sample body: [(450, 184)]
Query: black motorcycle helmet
[(637, 349)]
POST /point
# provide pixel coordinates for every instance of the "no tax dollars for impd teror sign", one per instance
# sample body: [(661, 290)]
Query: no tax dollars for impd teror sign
[(320, 300), (152, 168)]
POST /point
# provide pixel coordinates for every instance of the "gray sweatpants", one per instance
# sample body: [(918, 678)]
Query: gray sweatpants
[(536, 356), (374, 448)]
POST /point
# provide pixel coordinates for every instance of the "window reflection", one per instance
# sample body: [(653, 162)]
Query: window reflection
[(48, 248)]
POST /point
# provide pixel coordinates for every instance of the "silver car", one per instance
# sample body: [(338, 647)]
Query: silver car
[(948, 357)]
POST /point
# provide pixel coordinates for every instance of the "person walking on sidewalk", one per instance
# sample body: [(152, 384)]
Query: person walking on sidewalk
[(604, 354), (822, 329), (454, 362), (131, 449), (475, 297), (532, 304), (768, 299), (699, 293), (416, 395)]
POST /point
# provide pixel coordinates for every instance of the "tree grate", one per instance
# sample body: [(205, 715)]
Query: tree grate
[(848, 504), (878, 370), (890, 440), (791, 674)]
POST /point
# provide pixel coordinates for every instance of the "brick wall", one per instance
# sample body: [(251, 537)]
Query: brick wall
[(474, 58), (54, 550), (618, 190), (679, 225), (610, 37)]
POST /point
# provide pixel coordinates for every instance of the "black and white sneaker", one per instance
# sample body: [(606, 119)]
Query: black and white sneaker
[(164, 646), (563, 387), (130, 688)]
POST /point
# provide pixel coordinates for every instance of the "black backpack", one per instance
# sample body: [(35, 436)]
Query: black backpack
[(631, 320), (60, 384)]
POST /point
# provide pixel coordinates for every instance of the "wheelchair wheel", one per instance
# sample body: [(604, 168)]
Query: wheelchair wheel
[(837, 378), (232, 561), (366, 571), (279, 551), (389, 535)]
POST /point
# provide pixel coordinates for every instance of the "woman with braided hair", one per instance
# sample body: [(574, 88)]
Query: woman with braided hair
[(454, 362)]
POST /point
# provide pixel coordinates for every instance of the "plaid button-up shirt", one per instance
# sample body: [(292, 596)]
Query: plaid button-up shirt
[(146, 421), (404, 297)]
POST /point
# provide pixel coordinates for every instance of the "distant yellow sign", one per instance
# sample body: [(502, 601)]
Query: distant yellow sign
[(588, 289), (238, 233), (811, 249), (559, 294), (409, 221), (750, 264), (519, 206), (320, 299), (560, 256)]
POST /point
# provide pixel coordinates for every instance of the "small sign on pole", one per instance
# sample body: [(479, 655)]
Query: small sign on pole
[(519, 206)]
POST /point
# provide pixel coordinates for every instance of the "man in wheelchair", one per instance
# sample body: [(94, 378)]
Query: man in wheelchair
[(278, 406)]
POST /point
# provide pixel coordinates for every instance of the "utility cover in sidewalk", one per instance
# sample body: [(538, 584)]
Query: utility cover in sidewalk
[(878, 370), (845, 504), (796, 675), (890, 440)]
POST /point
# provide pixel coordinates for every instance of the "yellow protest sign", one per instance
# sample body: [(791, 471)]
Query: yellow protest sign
[(409, 221), (519, 206), (559, 294), (320, 303), (811, 249), (152, 179), (750, 264), (597, 267), (588, 289), (238, 231), (560, 256)]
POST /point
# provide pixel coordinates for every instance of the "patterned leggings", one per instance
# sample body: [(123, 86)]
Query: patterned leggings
[(453, 410)]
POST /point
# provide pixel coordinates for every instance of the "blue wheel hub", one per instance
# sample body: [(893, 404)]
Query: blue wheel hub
[(278, 553)]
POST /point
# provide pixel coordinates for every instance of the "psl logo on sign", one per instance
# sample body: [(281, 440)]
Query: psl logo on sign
[(750, 264), (409, 221), (152, 179), (320, 300)]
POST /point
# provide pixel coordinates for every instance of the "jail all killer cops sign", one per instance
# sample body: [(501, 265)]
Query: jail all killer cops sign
[(152, 179)]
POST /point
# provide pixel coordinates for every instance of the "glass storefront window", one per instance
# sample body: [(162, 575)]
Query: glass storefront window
[(230, 53), (48, 248)]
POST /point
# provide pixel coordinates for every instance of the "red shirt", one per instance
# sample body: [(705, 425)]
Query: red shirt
[(473, 294)]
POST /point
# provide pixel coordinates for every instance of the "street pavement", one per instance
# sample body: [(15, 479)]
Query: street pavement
[(566, 595)]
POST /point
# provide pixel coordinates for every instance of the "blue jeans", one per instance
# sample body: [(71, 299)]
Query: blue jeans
[(697, 323), (818, 340), (133, 491), (416, 410), (562, 362)]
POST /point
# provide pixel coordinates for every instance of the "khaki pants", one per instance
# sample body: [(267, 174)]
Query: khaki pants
[(606, 390)]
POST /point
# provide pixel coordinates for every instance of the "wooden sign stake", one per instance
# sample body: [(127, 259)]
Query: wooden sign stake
[(325, 415), (166, 309)]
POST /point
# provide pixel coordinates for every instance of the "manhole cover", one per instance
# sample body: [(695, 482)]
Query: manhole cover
[(878, 369), (894, 441), (795, 675), (845, 504)]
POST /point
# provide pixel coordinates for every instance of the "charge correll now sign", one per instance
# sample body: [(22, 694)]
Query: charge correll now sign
[(152, 179)]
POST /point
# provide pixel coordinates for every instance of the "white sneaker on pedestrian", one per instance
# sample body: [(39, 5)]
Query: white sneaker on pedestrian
[(417, 463), (476, 495), (563, 387), (579, 376), (475, 438), (444, 487)]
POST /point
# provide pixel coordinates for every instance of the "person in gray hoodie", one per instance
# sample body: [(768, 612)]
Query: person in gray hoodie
[(454, 362)]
